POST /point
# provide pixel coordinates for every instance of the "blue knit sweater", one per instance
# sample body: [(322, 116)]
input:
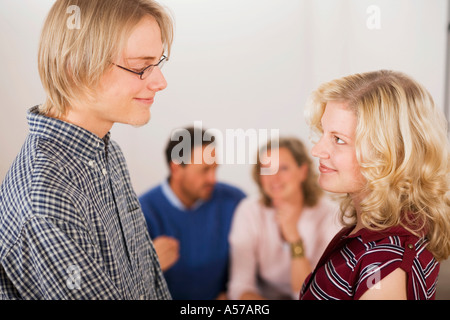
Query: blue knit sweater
[(201, 272)]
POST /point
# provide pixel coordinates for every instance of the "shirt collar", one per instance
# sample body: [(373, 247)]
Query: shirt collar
[(368, 235), (76, 139), (173, 199)]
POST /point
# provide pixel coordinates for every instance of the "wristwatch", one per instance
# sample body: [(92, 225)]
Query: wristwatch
[(297, 250)]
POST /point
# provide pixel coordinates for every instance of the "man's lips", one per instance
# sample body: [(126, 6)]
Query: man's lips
[(145, 100), (325, 169)]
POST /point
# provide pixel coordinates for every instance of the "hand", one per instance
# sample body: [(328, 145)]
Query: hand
[(222, 296), (168, 251), (287, 216)]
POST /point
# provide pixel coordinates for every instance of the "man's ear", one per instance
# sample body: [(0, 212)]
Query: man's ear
[(175, 169)]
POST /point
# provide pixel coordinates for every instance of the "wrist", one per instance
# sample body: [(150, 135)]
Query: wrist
[(297, 250), (291, 235)]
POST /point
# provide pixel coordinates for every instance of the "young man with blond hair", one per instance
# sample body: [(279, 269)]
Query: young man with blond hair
[(71, 226)]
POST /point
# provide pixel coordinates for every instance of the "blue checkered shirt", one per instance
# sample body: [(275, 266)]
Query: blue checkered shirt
[(71, 226)]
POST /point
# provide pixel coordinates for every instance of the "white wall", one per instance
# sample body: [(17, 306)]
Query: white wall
[(237, 64), (247, 64)]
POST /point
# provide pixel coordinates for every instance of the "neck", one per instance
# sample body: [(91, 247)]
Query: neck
[(296, 202), (357, 198), (187, 201), (90, 121)]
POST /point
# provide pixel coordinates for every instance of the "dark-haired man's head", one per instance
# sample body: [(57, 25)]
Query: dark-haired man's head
[(190, 155)]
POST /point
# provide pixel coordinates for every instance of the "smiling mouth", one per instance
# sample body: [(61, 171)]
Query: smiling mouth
[(144, 100), (276, 187), (325, 169)]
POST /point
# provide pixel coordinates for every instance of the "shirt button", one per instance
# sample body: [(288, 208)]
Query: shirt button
[(91, 163), (105, 172), (410, 246)]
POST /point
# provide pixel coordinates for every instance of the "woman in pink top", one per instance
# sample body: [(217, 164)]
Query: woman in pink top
[(276, 239)]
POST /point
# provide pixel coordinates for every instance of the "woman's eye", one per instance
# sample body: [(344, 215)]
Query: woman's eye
[(339, 140)]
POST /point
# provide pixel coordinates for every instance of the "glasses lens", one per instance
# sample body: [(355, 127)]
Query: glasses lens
[(147, 72), (150, 69), (162, 62)]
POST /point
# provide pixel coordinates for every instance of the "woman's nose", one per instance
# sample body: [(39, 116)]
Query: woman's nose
[(319, 150)]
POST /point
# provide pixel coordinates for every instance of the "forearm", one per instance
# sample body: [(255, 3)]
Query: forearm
[(300, 269), (300, 265), (249, 295)]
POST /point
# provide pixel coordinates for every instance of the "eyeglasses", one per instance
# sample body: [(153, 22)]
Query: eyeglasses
[(147, 70)]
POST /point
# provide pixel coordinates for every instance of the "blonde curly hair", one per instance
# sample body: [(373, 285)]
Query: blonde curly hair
[(402, 149)]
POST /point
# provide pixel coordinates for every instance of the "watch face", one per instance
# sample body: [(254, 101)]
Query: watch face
[(297, 249)]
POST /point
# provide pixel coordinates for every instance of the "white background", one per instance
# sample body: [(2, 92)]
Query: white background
[(247, 64)]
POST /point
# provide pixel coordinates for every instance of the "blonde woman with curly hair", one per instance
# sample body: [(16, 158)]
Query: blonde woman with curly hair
[(278, 237), (383, 145)]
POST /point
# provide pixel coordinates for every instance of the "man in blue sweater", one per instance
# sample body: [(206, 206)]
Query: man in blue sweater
[(189, 217)]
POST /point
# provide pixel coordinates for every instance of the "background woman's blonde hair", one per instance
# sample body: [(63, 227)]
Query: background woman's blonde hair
[(402, 148), (311, 189), (72, 60)]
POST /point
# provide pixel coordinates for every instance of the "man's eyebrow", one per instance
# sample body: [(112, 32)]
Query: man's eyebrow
[(142, 58), (145, 57)]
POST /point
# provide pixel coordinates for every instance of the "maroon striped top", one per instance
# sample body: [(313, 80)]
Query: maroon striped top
[(352, 264)]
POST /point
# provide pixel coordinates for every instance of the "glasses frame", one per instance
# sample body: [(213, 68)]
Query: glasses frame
[(141, 74)]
